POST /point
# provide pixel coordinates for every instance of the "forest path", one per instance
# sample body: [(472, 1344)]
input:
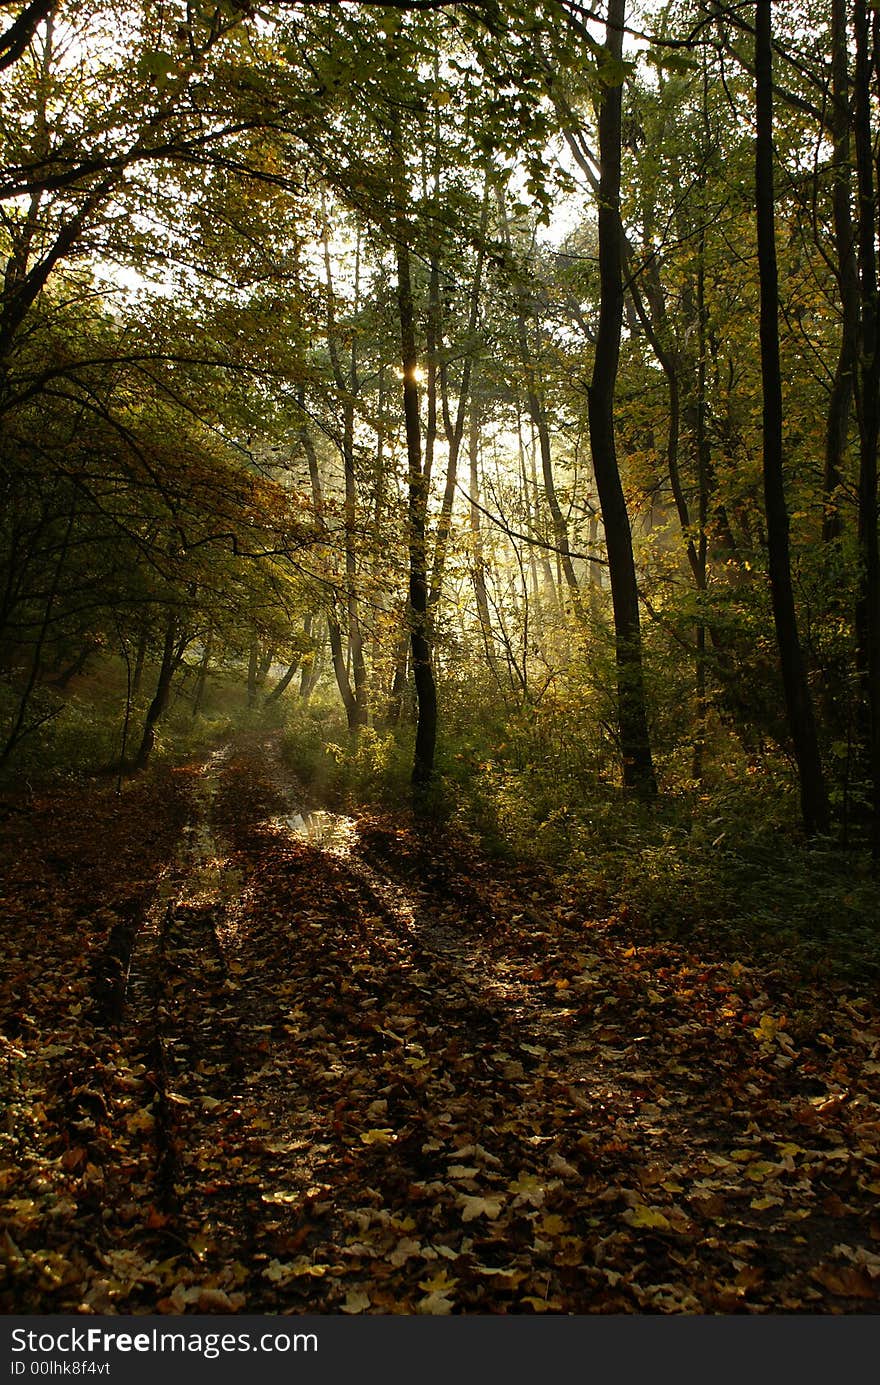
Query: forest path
[(359, 1067)]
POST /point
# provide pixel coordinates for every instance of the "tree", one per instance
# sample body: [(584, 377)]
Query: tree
[(635, 745), (814, 801)]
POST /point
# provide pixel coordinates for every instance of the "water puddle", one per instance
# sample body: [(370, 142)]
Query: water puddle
[(203, 849), (333, 832)]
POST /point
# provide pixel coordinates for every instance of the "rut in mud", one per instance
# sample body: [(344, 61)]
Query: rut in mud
[(331, 1063)]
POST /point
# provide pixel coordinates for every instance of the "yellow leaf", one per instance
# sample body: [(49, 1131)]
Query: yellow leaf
[(761, 1169), (553, 1225), (279, 1273), (435, 1304), (440, 1282), (140, 1120), (377, 1137), (355, 1302), (473, 1207), (647, 1217), (529, 1188)]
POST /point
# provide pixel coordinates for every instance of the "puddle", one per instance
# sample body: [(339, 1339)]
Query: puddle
[(328, 831), (203, 849)]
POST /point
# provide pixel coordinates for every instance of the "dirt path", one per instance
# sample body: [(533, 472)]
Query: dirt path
[(348, 1066)]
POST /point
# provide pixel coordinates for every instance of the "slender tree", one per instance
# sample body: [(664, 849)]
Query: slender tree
[(868, 405), (799, 706), (635, 744)]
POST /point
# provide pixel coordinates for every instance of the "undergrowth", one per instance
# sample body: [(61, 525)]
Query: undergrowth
[(722, 860), (724, 863)]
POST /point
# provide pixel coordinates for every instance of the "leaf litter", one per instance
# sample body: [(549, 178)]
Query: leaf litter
[(371, 1072)]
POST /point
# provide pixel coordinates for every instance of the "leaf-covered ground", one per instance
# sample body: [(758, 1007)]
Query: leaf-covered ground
[(258, 1063)]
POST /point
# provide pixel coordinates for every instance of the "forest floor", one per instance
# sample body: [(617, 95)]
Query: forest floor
[(265, 1060)]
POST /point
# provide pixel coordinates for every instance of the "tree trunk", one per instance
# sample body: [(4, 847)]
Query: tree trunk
[(172, 653), (202, 679), (837, 429), (311, 669), (340, 667), (868, 410), (538, 417), (17, 731), (426, 690), (355, 699), (138, 672), (799, 707), (75, 667), (394, 708), (253, 657), (455, 429), (284, 682), (635, 745), (479, 569)]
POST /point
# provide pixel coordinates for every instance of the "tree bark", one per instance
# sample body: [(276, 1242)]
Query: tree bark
[(172, 653), (253, 655), (868, 412), (139, 659), (635, 745), (799, 707), (202, 679), (423, 673), (538, 418), (284, 681), (479, 569), (455, 429), (837, 428), (347, 384), (340, 667), (16, 730)]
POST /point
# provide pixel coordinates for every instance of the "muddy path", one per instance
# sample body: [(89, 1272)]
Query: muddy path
[(339, 1063)]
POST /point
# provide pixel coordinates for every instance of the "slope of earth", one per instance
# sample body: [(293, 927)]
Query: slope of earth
[(256, 1058)]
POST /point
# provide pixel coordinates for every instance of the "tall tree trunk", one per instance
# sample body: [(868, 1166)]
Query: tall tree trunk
[(455, 429), (703, 472), (253, 656), (837, 429), (868, 410), (538, 417), (75, 667), (172, 653), (547, 578), (348, 385), (479, 568), (16, 731), (355, 636), (394, 707), (311, 669), (802, 726), (140, 656), (284, 681), (423, 674), (201, 680), (635, 745), (340, 667)]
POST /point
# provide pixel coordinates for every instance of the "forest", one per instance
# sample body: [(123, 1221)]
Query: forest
[(439, 656)]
